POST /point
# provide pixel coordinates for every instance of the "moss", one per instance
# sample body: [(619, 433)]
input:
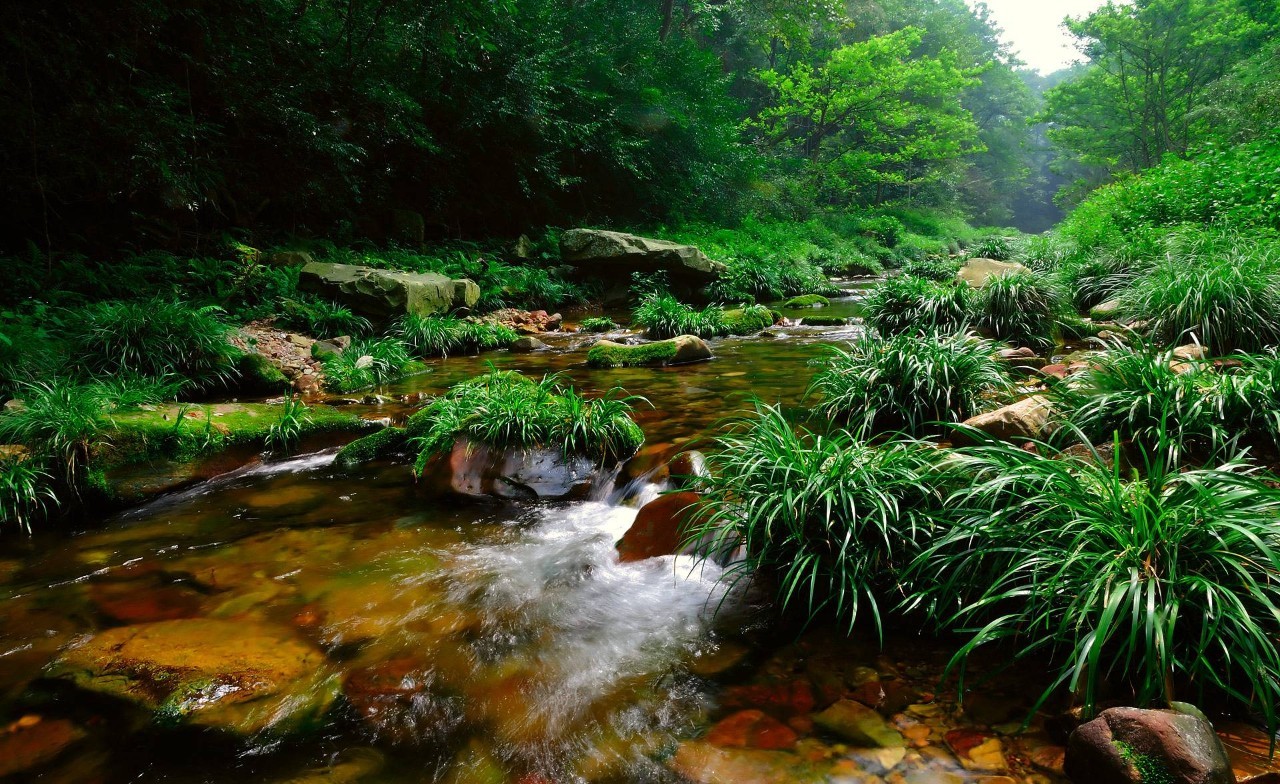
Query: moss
[(748, 321), (371, 447), (258, 375), (186, 431), (807, 301), (611, 355), (819, 321), (599, 324), (1150, 769)]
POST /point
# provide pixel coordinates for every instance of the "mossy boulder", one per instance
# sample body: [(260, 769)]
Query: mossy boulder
[(259, 376), (241, 676), (612, 254), (372, 447), (676, 351), (807, 301), (384, 294), (749, 321), (823, 321), (1105, 311)]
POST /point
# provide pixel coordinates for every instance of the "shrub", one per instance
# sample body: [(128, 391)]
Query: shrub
[(831, 516), (284, 434), (440, 336), (598, 324), (324, 319), (935, 268), (1095, 280), (663, 316), (507, 410), (1156, 583), (908, 381), (24, 491), (1021, 308), (909, 304), (998, 248), (59, 418), (154, 338), (1230, 303), (367, 363)]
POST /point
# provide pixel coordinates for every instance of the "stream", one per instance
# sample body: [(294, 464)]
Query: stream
[(468, 642)]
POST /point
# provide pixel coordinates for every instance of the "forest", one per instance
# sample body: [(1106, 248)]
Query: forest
[(539, 391)]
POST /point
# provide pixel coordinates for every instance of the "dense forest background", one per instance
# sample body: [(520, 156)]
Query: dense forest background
[(148, 124)]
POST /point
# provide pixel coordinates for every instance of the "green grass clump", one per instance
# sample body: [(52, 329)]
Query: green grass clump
[(440, 336), (906, 304), (807, 301), (663, 316), (157, 337), (994, 247), (598, 324), (60, 419), (932, 268), (284, 434), (25, 491), (1228, 303), (1022, 308), (506, 410), (908, 382), (323, 319), (367, 363), (1166, 583), (831, 516)]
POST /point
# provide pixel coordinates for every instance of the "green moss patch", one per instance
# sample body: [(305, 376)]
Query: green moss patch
[(807, 301), (748, 321), (612, 355)]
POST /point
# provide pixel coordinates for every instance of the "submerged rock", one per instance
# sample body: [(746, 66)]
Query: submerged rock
[(660, 527), (613, 254), (518, 474), (858, 724), (676, 351), (976, 272), (241, 676), (703, 763), (388, 293), (33, 741), (752, 729), (1130, 745)]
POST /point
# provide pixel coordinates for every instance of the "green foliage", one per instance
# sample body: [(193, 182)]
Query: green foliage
[(324, 319), (1229, 302), (295, 417), (993, 247), (807, 301), (367, 363), (157, 337), (597, 324), (507, 410), (440, 336), (662, 316), (935, 269), (59, 418), (910, 382), (831, 515), (25, 493), (1160, 582), (1022, 308), (605, 356), (906, 304)]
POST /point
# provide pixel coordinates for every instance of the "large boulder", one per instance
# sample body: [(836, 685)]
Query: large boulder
[(383, 294), (976, 272), (616, 255), (241, 676), (677, 351), (1028, 419), (522, 474), (1130, 745)]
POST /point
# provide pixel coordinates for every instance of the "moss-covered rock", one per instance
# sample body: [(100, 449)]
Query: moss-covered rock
[(821, 321), (807, 301), (259, 376), (676, 351), (372, 447), (749, 321)]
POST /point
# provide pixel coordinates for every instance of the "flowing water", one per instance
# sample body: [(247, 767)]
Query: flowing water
[(462, 641)]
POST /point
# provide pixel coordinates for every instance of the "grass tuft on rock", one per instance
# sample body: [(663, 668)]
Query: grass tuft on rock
[(908, 304), (807, 301), (440, 336)]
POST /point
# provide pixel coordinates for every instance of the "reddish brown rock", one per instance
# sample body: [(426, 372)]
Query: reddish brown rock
[(33, 741), (526, 322), (1181, 745), (752, 729), (660, 527), (782, 699)]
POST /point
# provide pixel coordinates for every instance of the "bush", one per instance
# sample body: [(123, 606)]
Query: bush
[(1161, 583), (663, 316), (367, 363), (1095, 280), (154, 338), (908, 381), (998, 248), (24, 491), (598, 324), (507, 410), (1020, 308), (324, 319), (906, 304), (440, 336), (938, 269), (284, 434), (59, 418), (1229, 303), (831, 516)]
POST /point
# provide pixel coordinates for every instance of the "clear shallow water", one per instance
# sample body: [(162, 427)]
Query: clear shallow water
[(472, 641)]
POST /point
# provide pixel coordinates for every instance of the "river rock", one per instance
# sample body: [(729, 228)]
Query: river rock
[(660, 527), (384, 294), (526, 322), (1105, 311), (976, 272), (32, 741), (527, 345), (752, 729), (703, 763), (612, 254), (1026, 419), (680, 350), (242, 676), (858, 724), (520, 474), (1130, 745)]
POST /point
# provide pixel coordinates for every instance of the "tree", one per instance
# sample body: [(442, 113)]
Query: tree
[(873, 122)]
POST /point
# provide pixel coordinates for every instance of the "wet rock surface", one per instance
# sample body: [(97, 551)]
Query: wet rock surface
[(383, 294), (1130, 745)]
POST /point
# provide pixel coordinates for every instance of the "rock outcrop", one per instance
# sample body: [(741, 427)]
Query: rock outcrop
[(615, 255), (976, 272), (384, 294), (1130, 745)]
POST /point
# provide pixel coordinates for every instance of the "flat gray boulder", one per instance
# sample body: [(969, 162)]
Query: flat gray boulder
[(614, 254), (976, 272), (383, 294)]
